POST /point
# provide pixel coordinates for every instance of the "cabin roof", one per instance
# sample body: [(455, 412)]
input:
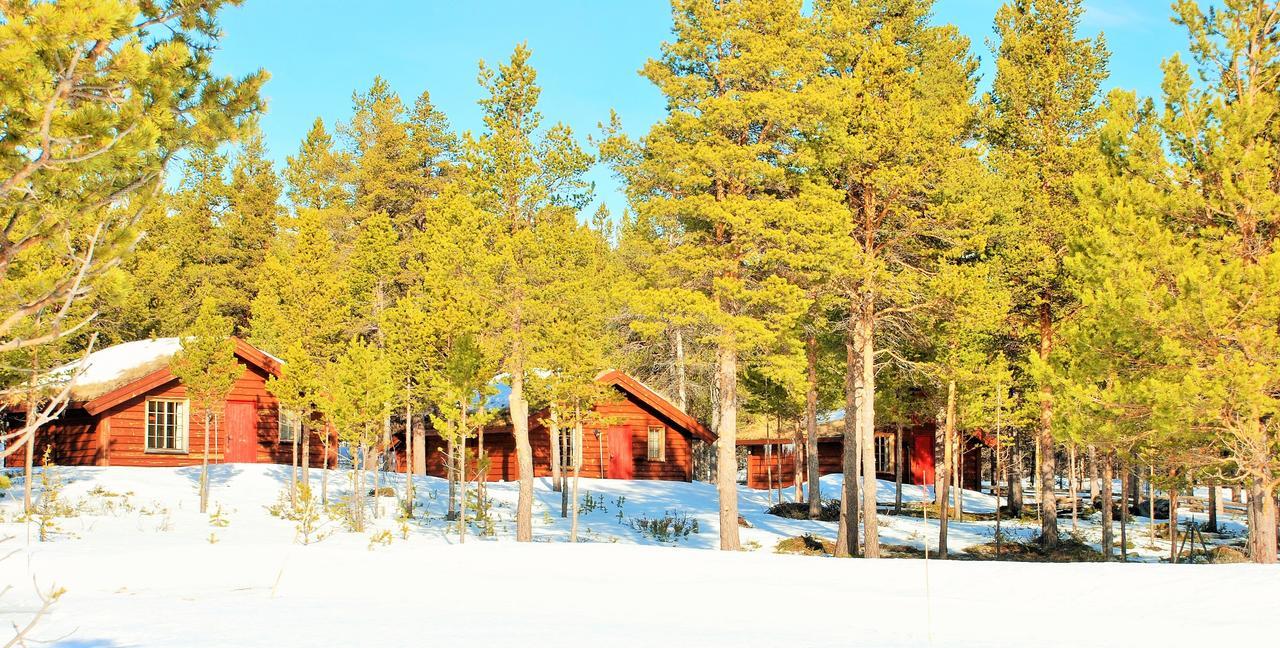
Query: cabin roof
[(116, 373), (655, 400)]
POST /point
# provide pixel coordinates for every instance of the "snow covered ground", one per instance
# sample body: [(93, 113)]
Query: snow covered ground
[(142, 567)]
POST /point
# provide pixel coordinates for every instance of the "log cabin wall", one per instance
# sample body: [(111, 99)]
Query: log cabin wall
[(117, 436), (627, 413), (917, 450), (72, 439)]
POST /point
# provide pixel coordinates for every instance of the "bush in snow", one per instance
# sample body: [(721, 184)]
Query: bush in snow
[(218, 518), (307, 516), (592, 503), (671, 527)]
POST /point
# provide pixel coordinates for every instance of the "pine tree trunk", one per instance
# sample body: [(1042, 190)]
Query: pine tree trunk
[(28, 464), (1071, 483), (779, 458), (384, 450), (1015, 481), (577, 471), (293, 481), (419, 447), (943, 480), (1095, 482), (1213, 508), (553, 436), (324, 472), (1124, 513), (306, 452), (452, 474), (204, 468), (1107, 531), (1173, 525), (811, 425), (897, 470), (524, 453), (865, 338), (29, 452), (408, 450), (726, 446), (957, 474), (682, 386), (847, 530), (797, 457), (1001, 467), (1151, 507), (377, 490), (462, 473), (1262, 524), (1044, 440)]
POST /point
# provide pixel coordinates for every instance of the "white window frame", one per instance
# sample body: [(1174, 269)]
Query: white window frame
[(661, 445), (285, 416), (885, 453), (182, 426)]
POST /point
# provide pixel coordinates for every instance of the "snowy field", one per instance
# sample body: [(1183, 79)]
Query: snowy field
[(142, 567)]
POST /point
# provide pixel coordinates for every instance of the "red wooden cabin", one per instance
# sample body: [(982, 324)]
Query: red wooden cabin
[(643, 436), (771, 460), (128, 409)]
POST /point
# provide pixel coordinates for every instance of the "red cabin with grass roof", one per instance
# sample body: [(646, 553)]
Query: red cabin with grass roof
[(128, 409), (643, 436)]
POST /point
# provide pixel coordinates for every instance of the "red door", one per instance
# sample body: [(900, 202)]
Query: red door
[(621, 465), (242, 432)]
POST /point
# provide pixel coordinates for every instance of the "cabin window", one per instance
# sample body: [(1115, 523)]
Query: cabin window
[(570, 449), (166, 426), (884, 453), (290, 425), (657, 443)]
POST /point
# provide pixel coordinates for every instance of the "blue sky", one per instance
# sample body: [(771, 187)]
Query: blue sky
[(586, 52)]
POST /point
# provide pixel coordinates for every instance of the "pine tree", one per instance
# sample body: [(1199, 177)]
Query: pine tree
[(1043, 123), (250, 226), (895, 98), (314, 175), (711, 175), (357, 398), (1178, 348), (208, 369), (298, 314), (970, 310), (528, 181), (98, 99)]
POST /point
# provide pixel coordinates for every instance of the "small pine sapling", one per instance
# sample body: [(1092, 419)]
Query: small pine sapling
[(51, 506)]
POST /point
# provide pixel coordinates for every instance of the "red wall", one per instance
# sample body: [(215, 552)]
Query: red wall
[(627, 413), (917, 449), (117, 436)]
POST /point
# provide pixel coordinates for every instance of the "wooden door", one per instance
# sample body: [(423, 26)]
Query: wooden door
[(241, 421), (621, 464)]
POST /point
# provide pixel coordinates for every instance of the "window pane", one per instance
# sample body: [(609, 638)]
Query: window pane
[(657, 444)]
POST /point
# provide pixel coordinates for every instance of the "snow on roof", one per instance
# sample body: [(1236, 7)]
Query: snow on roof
[(115, 366)]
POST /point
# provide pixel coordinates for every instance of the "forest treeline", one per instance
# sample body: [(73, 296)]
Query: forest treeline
[(831, 217)]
